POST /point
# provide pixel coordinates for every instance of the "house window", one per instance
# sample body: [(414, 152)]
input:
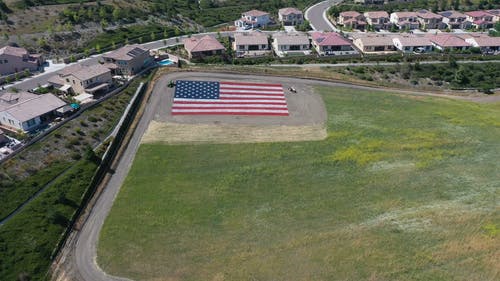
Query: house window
[(31, 122), (67, 80), (75, 83)]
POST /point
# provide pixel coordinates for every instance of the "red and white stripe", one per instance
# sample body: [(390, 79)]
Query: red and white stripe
[(237, 98)]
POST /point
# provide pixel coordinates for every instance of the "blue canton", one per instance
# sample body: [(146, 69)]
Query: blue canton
[(196, 90)]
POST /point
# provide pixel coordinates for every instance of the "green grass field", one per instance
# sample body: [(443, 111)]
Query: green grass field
[(403, 188)]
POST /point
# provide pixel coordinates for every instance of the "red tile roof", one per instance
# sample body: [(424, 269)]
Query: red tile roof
[(329, 39), (447, 40), (349, 14), (255, 13), (428, 15), (377, 14), (205, 43), (478, 14), (288, 11)]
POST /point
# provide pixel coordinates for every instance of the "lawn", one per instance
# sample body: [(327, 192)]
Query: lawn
[(403, 188)]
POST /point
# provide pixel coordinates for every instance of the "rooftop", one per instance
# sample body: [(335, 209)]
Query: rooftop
[(428, 15), (252, 38), (350, 14), (127, 52), (30, 105), (376, 14), (414, 41), (13, 51), (405, 14), (289, 10), (329, 39), (90, 71), (255, 13), (205, 43), (291, 39), (447, 40), (376, 40), (495, 12), (478, 14), (487, 41), (452, 14)]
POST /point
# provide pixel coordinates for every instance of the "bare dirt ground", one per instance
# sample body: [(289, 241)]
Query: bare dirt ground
[(306, 121)]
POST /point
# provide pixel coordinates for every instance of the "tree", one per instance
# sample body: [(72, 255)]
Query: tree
[(461, 77), (98, 48), (153, 36), (117, 14), (90, 155), (55, 217), (104, 23), (452, 62), (102, 13)]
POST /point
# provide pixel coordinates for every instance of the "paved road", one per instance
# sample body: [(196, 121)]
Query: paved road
[(316, 15), (83, 254)]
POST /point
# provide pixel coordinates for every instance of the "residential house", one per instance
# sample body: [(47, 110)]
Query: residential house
[(352, 19), (204, 46), (409, 44), (480, 19), (487, 44), (405, 20), (83, 79), (496, 15), (253, 19), (14, 59), (455, 20), (448, 42), (251, 44), (374, 43), (378, 20), (429, 20), (291, 44), (331, 43), (26, 112), (128, 60), (290, 16)]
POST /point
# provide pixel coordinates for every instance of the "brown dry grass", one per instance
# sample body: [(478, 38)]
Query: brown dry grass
[(175, 133)]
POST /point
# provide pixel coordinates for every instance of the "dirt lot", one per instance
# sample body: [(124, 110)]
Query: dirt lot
[(306, 120)]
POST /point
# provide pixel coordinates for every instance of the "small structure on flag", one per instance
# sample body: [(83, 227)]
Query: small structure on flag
[(228, 98)]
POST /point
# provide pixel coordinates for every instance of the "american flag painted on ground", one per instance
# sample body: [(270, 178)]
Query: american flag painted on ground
[(228, 98)]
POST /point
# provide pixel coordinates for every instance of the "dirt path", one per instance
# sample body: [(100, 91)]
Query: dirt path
[(176, 133)]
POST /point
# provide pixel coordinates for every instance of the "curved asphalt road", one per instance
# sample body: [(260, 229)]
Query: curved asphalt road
[(83, 254), (316, 15)]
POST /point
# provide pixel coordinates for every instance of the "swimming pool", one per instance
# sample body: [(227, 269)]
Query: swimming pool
[(165, 62)]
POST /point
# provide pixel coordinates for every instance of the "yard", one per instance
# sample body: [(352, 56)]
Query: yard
[(403, 188)]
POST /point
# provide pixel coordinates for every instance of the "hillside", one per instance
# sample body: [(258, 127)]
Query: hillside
[(60, 27)]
